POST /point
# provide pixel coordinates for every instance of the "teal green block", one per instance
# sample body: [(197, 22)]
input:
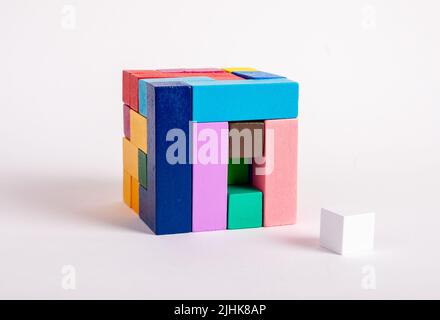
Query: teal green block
[(142, 168), (238, 173), (245, 207), (244, 100)]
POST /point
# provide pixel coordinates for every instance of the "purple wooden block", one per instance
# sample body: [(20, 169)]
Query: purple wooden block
[(210, 176), (127, 121)]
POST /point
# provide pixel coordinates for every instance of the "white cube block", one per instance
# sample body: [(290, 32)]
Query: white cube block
[(346, 232)]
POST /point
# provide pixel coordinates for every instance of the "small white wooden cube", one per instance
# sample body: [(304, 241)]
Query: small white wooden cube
[(347, 232)]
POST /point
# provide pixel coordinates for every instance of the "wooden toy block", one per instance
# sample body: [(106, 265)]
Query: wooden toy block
[(245, 205), (347, 232), (166, 206), (275, 174), (224, 76), (135, 195), (130, 80), (238, 171), (130, 158), (143, 93), (246, 139), (126, 188), (233, 69), (126, 118), (192, 70), (256, 75), (210, 176), (142, 168), (244, 100), (138, 130)]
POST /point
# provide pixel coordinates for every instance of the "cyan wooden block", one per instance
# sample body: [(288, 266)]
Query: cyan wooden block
[(143, 92), (256, 75), (166, 205), (244, 100)]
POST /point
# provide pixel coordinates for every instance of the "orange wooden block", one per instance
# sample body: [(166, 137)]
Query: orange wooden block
[(138, 130), (130, 158), (126, 188), (135, 195)]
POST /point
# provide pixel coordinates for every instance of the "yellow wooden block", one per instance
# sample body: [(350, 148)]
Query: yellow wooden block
[(138, 130), (126, 186), (130, 158), (135, 195), (239, 69)]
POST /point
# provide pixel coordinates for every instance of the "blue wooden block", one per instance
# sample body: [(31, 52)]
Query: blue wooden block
[(244, 100), (166, 205), (256, 75), (143, 92)]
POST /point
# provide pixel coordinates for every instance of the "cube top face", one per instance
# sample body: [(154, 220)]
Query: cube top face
[(347, 232), (197, 110), (348, 210)]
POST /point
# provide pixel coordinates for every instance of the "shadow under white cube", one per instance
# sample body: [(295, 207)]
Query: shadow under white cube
[(346, 232)]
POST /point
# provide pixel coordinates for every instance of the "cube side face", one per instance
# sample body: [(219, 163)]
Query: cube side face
[(331, 231), (358, 233)]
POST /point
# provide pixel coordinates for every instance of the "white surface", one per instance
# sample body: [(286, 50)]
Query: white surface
[(369, 134), (347, 233)]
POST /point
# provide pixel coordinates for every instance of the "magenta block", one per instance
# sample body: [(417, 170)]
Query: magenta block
[(210, 176), (127, 121)]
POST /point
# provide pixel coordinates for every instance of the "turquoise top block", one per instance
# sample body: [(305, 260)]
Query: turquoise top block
[(243, 100), (142, 88)]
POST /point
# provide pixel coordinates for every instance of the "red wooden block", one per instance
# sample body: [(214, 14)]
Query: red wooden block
[(130, 79), (210, 70), (224, 76)]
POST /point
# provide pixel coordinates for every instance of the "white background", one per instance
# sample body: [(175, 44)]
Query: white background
[(369, 75)]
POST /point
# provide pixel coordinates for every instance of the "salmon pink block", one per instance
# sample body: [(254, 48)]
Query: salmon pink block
[(275, 173), (210, 176)]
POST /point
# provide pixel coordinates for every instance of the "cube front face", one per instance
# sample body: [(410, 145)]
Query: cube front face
[(358, 233), (179, 165)]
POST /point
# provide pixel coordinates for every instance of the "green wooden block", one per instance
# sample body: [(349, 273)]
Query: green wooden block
[(245, 207), (142, 168), (238, 173)]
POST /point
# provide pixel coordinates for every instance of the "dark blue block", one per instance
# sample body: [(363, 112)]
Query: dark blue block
[(166, 205), (255, 75)]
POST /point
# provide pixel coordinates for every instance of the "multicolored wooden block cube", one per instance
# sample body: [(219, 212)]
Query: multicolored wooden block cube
[(210, 149)]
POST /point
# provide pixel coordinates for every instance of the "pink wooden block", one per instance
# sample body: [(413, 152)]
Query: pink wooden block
[(279, 184), (210, 177), (126, 121)]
